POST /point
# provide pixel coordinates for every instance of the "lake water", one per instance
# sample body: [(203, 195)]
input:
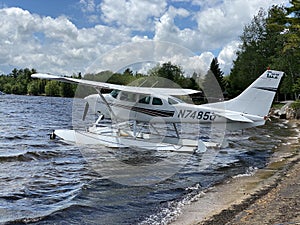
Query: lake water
[(45, 181)]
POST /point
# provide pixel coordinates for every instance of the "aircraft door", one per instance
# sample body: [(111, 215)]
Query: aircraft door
[(125, 105)]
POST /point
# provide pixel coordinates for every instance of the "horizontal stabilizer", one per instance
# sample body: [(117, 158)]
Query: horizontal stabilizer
[(235, 117)]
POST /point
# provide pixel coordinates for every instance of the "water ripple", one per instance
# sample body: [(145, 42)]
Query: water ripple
[(47, 182)]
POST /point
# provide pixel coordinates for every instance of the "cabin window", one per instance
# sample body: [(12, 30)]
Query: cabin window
[(128, 96), (157, 101), (144, 99), (114, 93), (172, 101)]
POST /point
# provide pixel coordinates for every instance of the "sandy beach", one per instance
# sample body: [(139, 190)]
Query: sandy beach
[(270, 196)]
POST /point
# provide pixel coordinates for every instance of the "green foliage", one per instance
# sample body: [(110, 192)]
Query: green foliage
[(277, 105), (158, 76), (20, 82), (214, 84), (7, 88), (16, 82), (251, 58), (217, 73), (296, 105), (52, 88), (270, 40), (287, 55), (296, 86), (170, 72), (33, 88), (67, 90)]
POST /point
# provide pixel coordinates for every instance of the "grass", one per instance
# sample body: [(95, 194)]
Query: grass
[(277, 105)]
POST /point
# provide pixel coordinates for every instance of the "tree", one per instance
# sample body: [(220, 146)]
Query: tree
[(33, 88), (217, 72), (7, 88), (291, 48), (14, 73), (52, 88), (154, 70), (296, 87), (128, 72), (171, 73), (66, 90), (251, 59), (20, 82), (17, 89), (282, 58), (211, 86), (275, 28), (270, 40)]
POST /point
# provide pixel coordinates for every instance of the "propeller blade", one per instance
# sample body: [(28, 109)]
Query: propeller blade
[(86, 109)]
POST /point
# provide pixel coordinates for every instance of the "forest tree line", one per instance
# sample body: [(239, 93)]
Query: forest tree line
[(20, 82), (270, 40)]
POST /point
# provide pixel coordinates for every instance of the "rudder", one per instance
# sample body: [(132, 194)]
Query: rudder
[(258, 97)]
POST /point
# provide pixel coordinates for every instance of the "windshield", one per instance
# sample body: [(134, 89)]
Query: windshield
[(115, 93)]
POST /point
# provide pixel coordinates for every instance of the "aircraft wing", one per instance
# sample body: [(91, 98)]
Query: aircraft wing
[(102, 85), (235, 117)]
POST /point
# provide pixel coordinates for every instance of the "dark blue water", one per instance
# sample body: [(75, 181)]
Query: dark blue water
[(44, 181)]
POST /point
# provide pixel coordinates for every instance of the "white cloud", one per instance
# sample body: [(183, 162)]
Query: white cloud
[(87, 5), (224, 22), (205, 4), (57, 45), (166, 30), (136, 14), (142, 54), (199, 64), (220, 23), (227, 55), (52, 45)]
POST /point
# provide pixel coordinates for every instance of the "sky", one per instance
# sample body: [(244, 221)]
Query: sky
[(72, 36)]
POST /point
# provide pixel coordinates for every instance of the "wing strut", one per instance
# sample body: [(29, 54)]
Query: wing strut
[(106, 103)]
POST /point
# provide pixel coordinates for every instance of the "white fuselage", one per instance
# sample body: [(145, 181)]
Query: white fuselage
[(157, 105), (166, 109), (147, 104)]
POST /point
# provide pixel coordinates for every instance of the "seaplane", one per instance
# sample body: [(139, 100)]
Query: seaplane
[(134, 109)]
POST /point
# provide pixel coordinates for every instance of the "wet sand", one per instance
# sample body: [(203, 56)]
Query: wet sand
[(270, 196)]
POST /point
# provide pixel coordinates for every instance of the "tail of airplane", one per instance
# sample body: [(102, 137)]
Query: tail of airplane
[(258, 97)]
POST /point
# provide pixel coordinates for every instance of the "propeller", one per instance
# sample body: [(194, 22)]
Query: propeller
[(86, 109)]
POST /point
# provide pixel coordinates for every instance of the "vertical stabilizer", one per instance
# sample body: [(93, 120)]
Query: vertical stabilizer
[(258, 97)]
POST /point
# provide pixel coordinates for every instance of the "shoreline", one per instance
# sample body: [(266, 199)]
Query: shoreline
[(238, 199)]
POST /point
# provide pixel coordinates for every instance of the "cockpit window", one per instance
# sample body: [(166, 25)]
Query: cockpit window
[(114, 93), (172, 101), (128, 96), (157, 101), (144, 99)]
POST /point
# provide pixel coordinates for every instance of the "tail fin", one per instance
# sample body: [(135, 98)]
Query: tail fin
[(258, 97)]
